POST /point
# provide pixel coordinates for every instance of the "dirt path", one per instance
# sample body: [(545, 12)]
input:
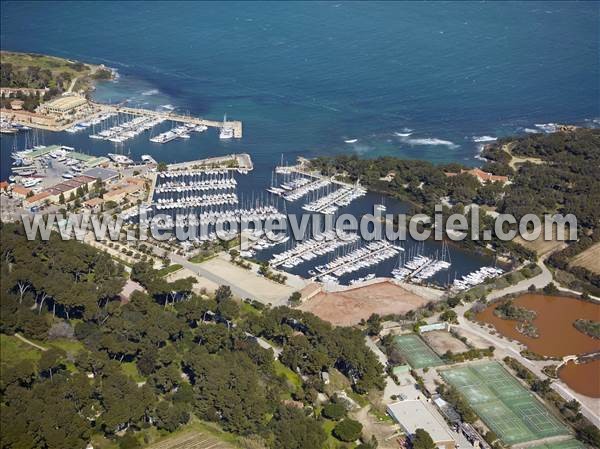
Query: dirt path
[(24, 340)]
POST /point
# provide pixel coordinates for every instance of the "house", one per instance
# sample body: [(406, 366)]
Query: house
[(415, 414), (37, 199), (481, 176), (94, 204), (20, 192), (16, 105), (120, 192)]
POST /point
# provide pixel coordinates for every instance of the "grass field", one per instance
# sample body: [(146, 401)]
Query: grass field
[(292, 377), (503, 403), (52, 63), (13, 350), (416, 352), (190, 440), (590, 259)]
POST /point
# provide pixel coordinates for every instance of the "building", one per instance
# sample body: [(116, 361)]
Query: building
[(104, 174), (27, 118), (413, 415), (16, 105), (119, 193), (94, 204), (36, 200), (10, 92), (64, 108), (20, 192), (66, 188), (481, 176)]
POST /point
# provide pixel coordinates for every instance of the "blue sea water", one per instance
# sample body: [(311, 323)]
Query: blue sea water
[(306, 76)]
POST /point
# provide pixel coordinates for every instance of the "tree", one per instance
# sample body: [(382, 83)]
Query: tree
[(422, 440), (334, 411), (292, 429), (449, 316), (295, 298), (347, 430), (222, 293), (374, 325), (162, 166), (551, 289)]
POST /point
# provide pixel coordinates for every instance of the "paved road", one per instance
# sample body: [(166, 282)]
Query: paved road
[(540, 281), (197, 268)]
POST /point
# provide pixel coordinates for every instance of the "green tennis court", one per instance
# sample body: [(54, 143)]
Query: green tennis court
[(416, 352), (505, 405)]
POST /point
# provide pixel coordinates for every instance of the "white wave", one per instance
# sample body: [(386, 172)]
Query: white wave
[(531, 131), (546, 127), (170, 107), (351, 140), (480, 148), (430, 141), (402, 134), (150, 92), (484, 139)]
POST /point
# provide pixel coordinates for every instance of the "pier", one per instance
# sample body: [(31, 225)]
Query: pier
[(312, 248), (357, 256), (241, 162), (235, 125)]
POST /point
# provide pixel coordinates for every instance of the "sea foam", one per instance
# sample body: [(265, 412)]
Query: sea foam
[(484, 139), (430, 141)]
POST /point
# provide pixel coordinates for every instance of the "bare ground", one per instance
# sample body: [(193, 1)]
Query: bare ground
[(442, 341), (348, 307), (590, 259)]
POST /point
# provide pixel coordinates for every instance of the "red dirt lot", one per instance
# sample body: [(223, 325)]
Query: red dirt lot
[(348, 307)]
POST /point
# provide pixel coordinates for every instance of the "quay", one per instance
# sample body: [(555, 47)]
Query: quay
[(235, 125), (240, 162)]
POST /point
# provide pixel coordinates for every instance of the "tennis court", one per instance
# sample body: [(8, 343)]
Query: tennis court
[(504, 404), (416, 352)]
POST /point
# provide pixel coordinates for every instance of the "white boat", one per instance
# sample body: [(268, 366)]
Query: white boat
[(31, 182), (120, 159), (351, 140), (68, 175), (146, 158), (226, 131)]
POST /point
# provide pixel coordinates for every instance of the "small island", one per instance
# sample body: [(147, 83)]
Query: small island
[(588, 327), (508, 311)]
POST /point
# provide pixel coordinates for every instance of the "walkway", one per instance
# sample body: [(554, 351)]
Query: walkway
[(29, 342)]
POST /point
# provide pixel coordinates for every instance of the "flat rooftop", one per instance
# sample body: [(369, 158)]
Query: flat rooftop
[(413, 415), (66, 103), (103, 173)]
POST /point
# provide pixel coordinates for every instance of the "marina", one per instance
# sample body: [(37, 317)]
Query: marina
[(330, 203), (217, 189), (371, 254), (308, 250)]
